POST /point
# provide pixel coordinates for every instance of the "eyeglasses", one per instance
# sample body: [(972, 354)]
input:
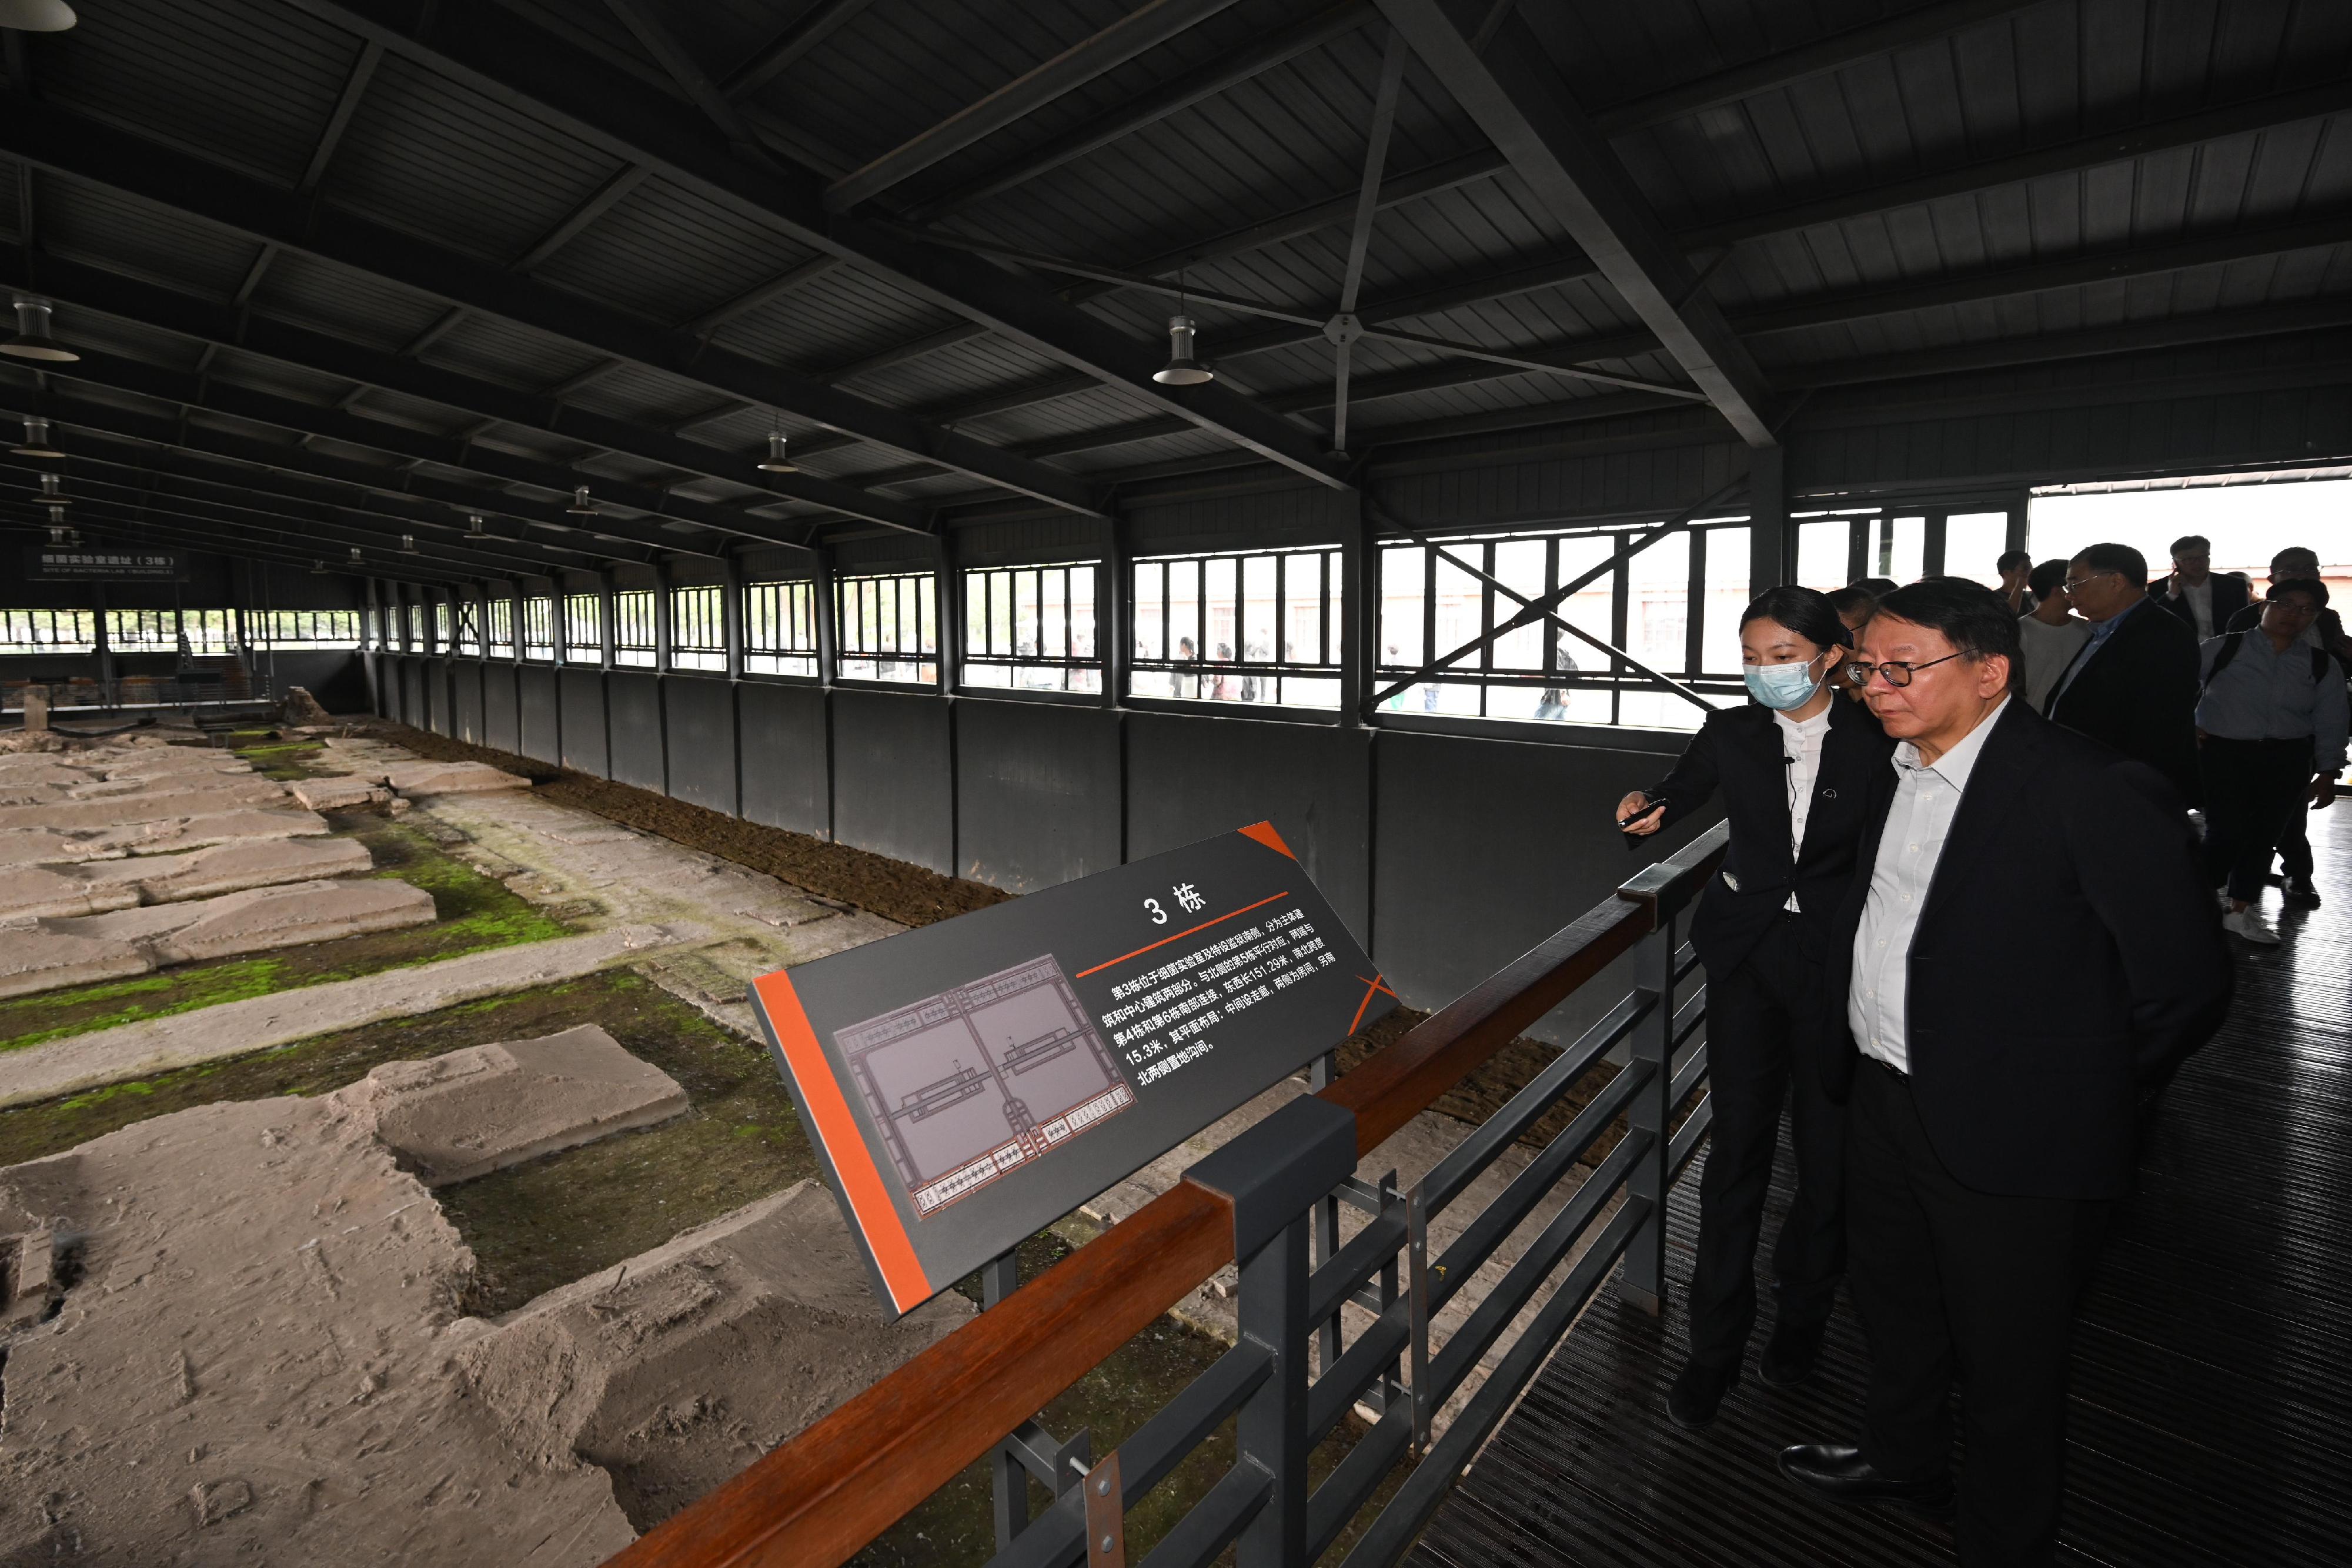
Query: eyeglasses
[(1898, 671), (2074, 584), (2302, 607)]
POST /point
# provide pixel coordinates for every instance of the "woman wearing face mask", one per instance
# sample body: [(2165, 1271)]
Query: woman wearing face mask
[(1794, 769)]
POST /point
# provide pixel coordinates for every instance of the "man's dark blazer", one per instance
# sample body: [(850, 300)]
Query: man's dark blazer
[(2068, 957), (2138, 694), (1739, 750), (2231, 593)]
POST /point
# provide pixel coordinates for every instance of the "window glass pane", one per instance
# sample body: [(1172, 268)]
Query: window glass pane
[(1589, 607), (1973, 543), (1519, 563), (1239, 627), (1898, 549), (1402, 583), (539, 629), (501, 628), (888, 628), (48, 631), (779, 634), (1658, 605), (697, 628), (1032, 628), (584, 633), (1726, 596), (1824, 553)]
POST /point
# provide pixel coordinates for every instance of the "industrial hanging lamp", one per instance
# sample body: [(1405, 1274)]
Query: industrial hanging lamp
[(37, 15), (777, 462), (36, 441), (355, 555), (53, 491), (582, 507), (1182, 369), (475, 525), (408, 544), (32, 340)]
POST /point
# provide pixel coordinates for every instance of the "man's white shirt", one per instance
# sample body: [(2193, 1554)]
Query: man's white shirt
[(2199, 596), (1800, 743), (1917, 823)]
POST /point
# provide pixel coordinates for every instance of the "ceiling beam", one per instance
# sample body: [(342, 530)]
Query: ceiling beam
[(134, 299), (1152, 23), (136, 531), (347, 104), (1921, 25), (491, 51), (819, 22), (1193, 87), (302, 473), (294, 544), (1518, 101), (83, 149), (602, 199)]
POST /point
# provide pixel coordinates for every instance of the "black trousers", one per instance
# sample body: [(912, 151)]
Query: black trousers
[(2294, 840), (1765, 1014), (2252, 789), (1966, 1288)]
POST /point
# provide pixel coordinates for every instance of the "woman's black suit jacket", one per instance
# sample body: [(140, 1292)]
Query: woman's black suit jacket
[(1740, 751)]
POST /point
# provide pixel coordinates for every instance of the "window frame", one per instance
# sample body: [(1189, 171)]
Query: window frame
[(26, 619), (589, 649), (633, 610), (789, 602), (988, 580), (924, 586), (697, 610), (1331, 598)]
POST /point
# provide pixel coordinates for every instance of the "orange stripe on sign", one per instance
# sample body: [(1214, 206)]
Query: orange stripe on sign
[(1163, 942), (861, 1181), (1371, 988), (1264, 833)]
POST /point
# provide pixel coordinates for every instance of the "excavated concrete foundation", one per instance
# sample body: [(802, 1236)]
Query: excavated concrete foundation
[(677, 1368), (48, 954), (90, 887), (464, 1115)]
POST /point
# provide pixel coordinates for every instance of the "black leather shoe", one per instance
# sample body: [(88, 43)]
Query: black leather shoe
[(1837, 1473), (2300, 893), (1699, 1392), (1788, 1358)]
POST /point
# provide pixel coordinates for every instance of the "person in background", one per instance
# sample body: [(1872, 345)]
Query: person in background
[(2003, 858), (2205, 601), (1855, 606), (1876, 587), (1552, 703), (2271, 730), (1794, 770), (2050, 637), (2134, 684), (2295, 862), (2016, 569)]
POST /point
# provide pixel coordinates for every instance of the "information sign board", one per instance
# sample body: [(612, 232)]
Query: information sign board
[(967, 1083)]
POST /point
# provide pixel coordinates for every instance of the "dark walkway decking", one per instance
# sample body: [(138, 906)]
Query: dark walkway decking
[(2212, 1381)]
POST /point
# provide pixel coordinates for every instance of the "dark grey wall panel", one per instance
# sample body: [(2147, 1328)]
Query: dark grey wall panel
[(436, 690), (465, 699), (411, 693), (1037, 794), (339, 680), (701, 737), (1189, 778), (784, 767), (893, 780), (539, 714), (634, 703), (582, 694), (1487, 847), (499, 725)]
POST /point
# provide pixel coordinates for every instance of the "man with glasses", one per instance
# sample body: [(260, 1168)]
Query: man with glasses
[(2326, 631), (2018, 872), (2134, 684), (2270, 731)]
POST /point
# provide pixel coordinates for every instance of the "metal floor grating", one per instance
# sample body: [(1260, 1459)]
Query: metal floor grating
[(2212, 1371)]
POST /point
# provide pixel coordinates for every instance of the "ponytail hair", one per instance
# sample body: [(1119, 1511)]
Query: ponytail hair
[(1804, 611)]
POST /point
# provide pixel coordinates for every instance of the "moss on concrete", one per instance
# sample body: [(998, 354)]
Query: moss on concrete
[(473, 913)]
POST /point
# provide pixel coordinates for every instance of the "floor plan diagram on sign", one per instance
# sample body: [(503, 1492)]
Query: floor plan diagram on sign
[(969, 1084)]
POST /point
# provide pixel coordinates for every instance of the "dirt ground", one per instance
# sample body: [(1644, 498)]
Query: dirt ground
[(895, 890)]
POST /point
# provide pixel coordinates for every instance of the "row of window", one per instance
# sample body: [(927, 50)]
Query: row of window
[(201, 633)]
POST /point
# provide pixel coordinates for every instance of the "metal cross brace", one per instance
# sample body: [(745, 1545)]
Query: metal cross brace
[(1541, 609)]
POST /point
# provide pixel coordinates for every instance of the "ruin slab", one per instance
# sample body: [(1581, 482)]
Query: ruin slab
[(145, 806), (471, 1112), (451, 778), (39, 891), (673, 1370), (35, 959), (340, 792), (176, 834), (233, 867)]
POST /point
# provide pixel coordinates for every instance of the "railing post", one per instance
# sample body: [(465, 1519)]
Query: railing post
[(1276, 1174), (1652, 1043)]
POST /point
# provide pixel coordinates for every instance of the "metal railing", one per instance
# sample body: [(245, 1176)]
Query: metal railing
[(1270, 1199)]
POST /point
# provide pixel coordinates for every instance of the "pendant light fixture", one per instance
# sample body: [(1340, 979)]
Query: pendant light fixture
[(61, 536), (1182, 370), (53, 491), (32, 339), (37, 15), (355, 555), (408, 544), (582, 505), (776, 461), (475, 525), (36, 441)]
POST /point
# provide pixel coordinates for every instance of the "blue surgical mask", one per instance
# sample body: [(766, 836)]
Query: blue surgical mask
[(1782, 686)]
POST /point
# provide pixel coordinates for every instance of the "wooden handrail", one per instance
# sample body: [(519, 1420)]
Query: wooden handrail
[(814, 1501)]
